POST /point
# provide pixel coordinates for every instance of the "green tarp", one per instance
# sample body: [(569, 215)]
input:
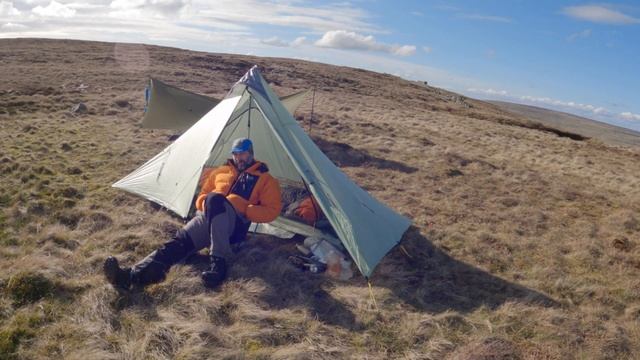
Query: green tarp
[(169, 107)]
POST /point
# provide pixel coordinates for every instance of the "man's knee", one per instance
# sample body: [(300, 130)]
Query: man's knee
[(176, 249), (214, 204)]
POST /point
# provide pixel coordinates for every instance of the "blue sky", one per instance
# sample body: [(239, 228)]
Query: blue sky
[(575, 56)]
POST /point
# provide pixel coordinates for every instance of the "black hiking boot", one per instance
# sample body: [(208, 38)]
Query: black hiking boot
[(216, 274), (118, 277)]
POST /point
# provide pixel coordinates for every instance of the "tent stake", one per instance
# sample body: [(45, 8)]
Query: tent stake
[(375, 304)]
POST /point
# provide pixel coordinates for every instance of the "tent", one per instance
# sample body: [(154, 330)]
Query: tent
[(169, 107), (364, 226)]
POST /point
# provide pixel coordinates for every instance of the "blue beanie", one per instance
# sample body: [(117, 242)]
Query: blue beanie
[(242, 145)]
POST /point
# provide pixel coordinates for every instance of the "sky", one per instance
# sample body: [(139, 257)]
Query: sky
[(574, 56)]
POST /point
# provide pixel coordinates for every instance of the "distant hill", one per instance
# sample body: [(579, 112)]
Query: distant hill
[(607, 133)]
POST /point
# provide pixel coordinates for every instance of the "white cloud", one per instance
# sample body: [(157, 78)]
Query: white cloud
[(601, 111), (485, 18), (568, 104), (379, 62), (7, 9), (12, 26), (488, 91), (572, 106), (630, 116), (342, 39), (31, 3), (126, 4), (297, 14), (427, 49), (599, 14), (582, 34), (54, 9), (417, 13), (86, 6), (404, 50), (163, 8), (299, 41), (275, 41)]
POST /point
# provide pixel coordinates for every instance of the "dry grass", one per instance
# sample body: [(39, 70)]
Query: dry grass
[(525, 244)]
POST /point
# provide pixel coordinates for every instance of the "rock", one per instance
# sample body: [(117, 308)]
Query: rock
[(36, 208), (122, 103), (74, 170), (66, 147), (70, 192), (454, 173), (79, 108), (622, 243)]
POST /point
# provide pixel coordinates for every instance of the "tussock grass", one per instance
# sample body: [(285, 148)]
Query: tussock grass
[(524, 244)]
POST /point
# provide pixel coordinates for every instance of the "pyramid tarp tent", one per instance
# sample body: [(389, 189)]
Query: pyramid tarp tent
[(367, 228), (169, 107)]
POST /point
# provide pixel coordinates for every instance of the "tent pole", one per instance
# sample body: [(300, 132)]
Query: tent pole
[(249, 116), (313, 101)]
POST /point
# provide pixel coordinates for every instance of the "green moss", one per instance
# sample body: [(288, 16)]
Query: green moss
[(5, 200), (6, 240), (22, 327), (28, 287), (252, 345), (9, 341)]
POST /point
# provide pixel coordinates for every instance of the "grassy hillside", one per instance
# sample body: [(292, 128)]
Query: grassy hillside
[(610, 134), (524, 244)]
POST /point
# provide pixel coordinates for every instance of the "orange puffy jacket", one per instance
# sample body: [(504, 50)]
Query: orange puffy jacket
[(255, 193)]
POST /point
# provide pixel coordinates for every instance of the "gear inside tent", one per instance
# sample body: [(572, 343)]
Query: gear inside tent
[(365, 227)]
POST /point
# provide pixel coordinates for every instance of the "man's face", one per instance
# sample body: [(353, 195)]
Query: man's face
[(242, 159)]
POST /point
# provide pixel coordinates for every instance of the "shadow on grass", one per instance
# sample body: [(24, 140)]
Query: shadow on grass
[(287, 287), (431, 280), (345, 155)]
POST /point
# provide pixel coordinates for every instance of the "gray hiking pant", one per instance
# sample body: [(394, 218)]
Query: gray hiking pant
[(218, 227), (218, 235)]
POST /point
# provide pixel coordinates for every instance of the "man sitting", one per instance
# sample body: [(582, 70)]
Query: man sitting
[(232, 196)]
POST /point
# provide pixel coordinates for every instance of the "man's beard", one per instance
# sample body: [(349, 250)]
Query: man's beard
[(244, 165)]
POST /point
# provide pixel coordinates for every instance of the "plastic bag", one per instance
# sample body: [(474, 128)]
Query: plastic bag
[(337, 265)]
